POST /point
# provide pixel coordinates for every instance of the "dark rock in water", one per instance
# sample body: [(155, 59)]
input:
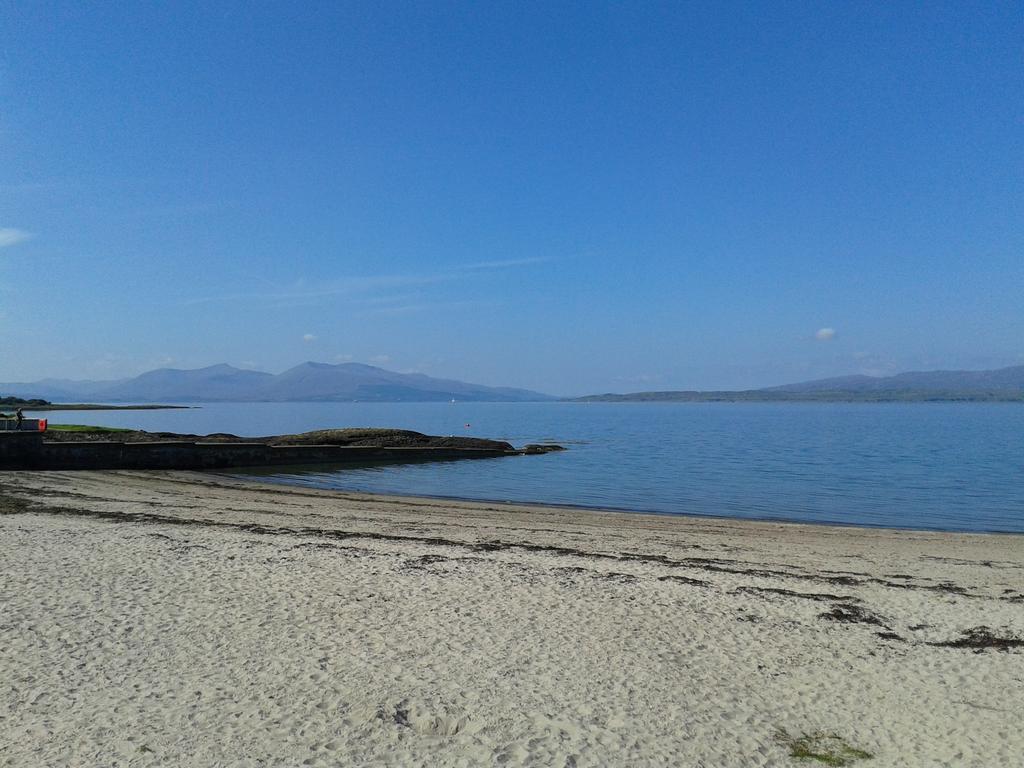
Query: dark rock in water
[(535, 448)]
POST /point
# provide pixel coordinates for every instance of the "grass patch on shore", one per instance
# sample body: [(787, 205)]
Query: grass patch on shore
[(825, 748), (83, 428)]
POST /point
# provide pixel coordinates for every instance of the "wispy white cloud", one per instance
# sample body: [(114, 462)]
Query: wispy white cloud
[(825, 334), (308, 338), (302, 290), (504, 263), (424, 306), (11, 236), (386, 299), (641, 378), (362, 287)]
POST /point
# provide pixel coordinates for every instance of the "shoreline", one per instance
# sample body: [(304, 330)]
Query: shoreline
[(179, 618), (244, 477), (229, 478), (107, 407)]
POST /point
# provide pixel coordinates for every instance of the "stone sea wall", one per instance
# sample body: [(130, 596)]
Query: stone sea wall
[(31, 451)]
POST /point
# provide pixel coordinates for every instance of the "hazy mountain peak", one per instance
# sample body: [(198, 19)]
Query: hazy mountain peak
[(310, 380), (999, 380), (1001, 384)]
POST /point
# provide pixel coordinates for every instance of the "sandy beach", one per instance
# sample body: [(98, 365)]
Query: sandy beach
[(183, 619)]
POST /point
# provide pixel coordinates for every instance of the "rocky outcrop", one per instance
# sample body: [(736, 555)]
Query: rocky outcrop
[(350, 438), (535, 448), (101, 449)]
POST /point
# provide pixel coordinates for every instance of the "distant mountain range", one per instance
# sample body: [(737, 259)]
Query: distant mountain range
[(1003, 384), (305, 382), (349, 382), (999, 380)]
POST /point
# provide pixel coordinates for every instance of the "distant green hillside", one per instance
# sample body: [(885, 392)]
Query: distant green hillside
[(18, 402), (775, 396), (1002, 385)]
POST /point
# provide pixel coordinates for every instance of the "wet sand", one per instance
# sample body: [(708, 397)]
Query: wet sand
[(153, 618)]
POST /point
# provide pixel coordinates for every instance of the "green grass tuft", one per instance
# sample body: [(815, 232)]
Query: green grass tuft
[(825, 748)]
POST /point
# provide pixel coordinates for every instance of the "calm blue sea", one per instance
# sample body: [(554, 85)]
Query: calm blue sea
[(922, 465)]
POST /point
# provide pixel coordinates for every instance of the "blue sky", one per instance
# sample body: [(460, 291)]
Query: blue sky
[(568, 197)]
